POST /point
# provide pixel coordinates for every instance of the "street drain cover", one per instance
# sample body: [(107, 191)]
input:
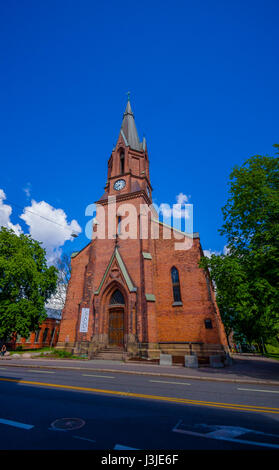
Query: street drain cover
[(67, 424)]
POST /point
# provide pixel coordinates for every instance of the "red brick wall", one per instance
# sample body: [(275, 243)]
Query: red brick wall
[(70, 312), (186, 322), (49, 323)]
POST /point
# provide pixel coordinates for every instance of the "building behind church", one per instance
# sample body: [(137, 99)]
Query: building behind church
[(138, 296), (46, 334)]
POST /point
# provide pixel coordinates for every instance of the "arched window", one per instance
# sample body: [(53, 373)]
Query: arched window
[(37, 335), (175, 285), (122, 163), (109, 168), (119, 225), (45, 335), (117, 298)]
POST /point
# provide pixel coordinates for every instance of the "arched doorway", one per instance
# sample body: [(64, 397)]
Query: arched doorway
[(116, 319)]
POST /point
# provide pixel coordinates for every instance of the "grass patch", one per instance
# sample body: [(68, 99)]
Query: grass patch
[(32, 350), (272, 351), (52, 353), (62, 353)]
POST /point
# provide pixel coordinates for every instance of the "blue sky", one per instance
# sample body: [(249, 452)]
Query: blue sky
[(203, 77)]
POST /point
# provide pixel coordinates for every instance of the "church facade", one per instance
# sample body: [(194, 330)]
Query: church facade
[(139, 294)]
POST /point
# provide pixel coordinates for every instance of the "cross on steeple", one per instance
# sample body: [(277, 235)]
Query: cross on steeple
[(128, 94)]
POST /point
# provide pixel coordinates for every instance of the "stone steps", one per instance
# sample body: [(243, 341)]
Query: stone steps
[(110, 353), (108, 358)]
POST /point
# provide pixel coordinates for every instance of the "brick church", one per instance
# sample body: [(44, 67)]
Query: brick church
[(138, 296)]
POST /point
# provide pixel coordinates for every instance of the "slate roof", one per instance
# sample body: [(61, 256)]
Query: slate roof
[(128, 128), (54, 313)]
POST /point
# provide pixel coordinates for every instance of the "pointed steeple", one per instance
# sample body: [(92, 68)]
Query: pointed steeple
[(129, 129)]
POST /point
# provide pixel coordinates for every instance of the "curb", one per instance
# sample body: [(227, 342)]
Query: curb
[(156, 374)]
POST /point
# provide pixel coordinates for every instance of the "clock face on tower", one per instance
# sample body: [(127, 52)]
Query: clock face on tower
[(119, 184)]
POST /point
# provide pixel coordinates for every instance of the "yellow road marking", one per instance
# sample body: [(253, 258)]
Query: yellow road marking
[(185, 401)]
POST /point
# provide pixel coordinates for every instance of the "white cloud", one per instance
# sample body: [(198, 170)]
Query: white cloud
[(209, 253), (181, 198), (27, 190), (46, 224), (57, 300), (226, 250), (5, 213), (165, 210), (49, 226), (178, 210)]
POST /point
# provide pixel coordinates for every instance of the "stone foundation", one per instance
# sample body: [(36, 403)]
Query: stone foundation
[(145, 350), (200, 349)]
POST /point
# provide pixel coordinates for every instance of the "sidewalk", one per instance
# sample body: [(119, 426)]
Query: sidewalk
[(245, 369)]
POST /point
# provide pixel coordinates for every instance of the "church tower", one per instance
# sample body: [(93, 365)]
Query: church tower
[(137, 296), (128, 166)]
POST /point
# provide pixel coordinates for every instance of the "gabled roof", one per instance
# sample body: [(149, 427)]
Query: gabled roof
[(189, 235), (123, 270)]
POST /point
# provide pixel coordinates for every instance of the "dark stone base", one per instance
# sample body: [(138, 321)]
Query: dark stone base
[(148, 351)]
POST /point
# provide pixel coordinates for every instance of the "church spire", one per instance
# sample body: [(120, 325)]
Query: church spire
[(129, 129)]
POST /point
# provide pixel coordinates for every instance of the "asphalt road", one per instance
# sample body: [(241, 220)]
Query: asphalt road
[(60, 409)]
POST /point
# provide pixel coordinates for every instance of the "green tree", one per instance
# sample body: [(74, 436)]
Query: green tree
[(25, 283), (247, 278)]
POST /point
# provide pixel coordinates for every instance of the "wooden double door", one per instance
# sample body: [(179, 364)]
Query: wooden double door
[(116, 326)]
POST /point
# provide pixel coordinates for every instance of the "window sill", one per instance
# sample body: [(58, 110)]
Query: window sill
[(177, 304)]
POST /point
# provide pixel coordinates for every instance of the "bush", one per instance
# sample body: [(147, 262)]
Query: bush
[(62, 353), (274, 342), (270, 349)]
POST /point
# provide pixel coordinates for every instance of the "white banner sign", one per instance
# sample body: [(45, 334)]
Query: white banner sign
[(84, 320)]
